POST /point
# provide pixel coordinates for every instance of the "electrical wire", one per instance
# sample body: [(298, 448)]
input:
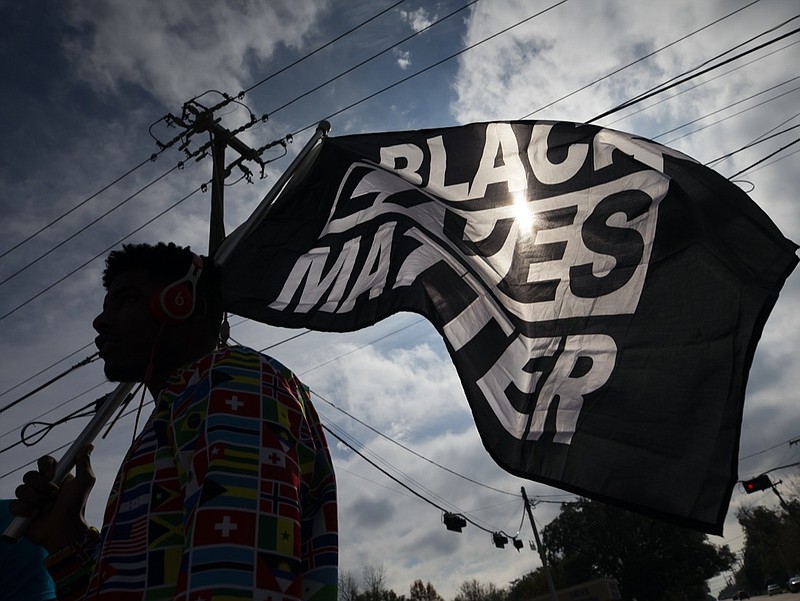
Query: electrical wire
[(40, 372), (80, 204), (638, 60), (769, 156), (412, 324), (765, 165), (320, 48), (414, 75), (101, 253), (699, 85), (88, 225), (722, 54), (400, 482), (733, 104), (412, 451), (757, 138), (750, 145), (434, 65), (86, 361), (662, 89), (24, 465), (334, 114), (153, 157), (59, 406), (363, 346), (717, 122), (371, 58), (688, 35)]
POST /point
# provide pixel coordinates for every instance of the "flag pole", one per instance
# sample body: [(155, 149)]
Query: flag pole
[(226, 248), (19, 525)]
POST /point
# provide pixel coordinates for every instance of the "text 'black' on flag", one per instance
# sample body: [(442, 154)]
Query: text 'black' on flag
[(600, 294)]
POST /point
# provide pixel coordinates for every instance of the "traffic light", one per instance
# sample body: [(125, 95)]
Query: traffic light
[(499, 540), (454, 522), (761, 482)]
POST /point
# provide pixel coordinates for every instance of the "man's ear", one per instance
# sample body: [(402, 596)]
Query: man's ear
[(200, 309)]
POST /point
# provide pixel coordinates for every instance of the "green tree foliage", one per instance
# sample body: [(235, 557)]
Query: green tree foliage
[(772, 545), (530, 585), (650, 559)]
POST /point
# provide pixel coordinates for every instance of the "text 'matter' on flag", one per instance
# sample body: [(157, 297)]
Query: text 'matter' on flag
[(601, 295)]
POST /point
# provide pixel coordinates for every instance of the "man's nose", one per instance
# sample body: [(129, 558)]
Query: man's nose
[(100, 322)]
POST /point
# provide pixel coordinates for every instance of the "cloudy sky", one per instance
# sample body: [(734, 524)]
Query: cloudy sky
[(85, 87)]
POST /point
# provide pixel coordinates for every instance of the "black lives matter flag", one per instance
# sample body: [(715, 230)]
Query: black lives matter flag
[(601, 295)]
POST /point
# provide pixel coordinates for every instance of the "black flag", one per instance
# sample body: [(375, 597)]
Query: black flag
[(601, 295)]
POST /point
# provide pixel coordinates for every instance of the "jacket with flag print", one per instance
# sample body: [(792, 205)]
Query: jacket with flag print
[(228, 493)]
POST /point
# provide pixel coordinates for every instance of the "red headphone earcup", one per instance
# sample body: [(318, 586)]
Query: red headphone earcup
[(173, 303)]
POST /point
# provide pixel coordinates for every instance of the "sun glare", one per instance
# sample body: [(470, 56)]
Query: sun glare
[(523, 214)]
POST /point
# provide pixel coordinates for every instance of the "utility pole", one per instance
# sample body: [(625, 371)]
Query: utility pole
[(542, 556), (787, 508), (197, 119)]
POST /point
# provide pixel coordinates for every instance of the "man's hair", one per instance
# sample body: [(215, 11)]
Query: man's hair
[(166, 263)]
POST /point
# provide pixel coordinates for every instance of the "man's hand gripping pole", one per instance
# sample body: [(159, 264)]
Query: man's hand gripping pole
[(19, 525)]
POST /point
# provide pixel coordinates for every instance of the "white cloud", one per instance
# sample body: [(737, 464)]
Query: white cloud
[(418, 19), (147, 55), (403, 59), (176, 50)]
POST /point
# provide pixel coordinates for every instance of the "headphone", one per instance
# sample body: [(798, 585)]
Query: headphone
[(176, 301)]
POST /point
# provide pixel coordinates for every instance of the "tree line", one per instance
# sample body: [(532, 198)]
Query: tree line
[(651, 560), (771, 553)]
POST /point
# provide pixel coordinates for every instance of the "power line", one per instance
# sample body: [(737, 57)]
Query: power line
[(40, 372), (371, 58), (80, 204), (765, 165), (397, 480), (280, 342), (674, 84), (91, 223), (392, 333), (49, 382), (431, 66), (100, 254), (702, 83), (638, 60), (766, 133), (154, 156), (303, 95), (78, 414), (728, 51), (413, 452), (751, 145), (320, 48), (780, 444), (755, 106), (434, 65), (724, 108), (59, 406), (769, 156)]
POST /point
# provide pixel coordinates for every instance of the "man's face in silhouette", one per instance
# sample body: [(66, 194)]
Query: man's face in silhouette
[(127, 329)]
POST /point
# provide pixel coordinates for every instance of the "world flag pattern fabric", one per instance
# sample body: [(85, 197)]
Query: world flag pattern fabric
[(228, 493)]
